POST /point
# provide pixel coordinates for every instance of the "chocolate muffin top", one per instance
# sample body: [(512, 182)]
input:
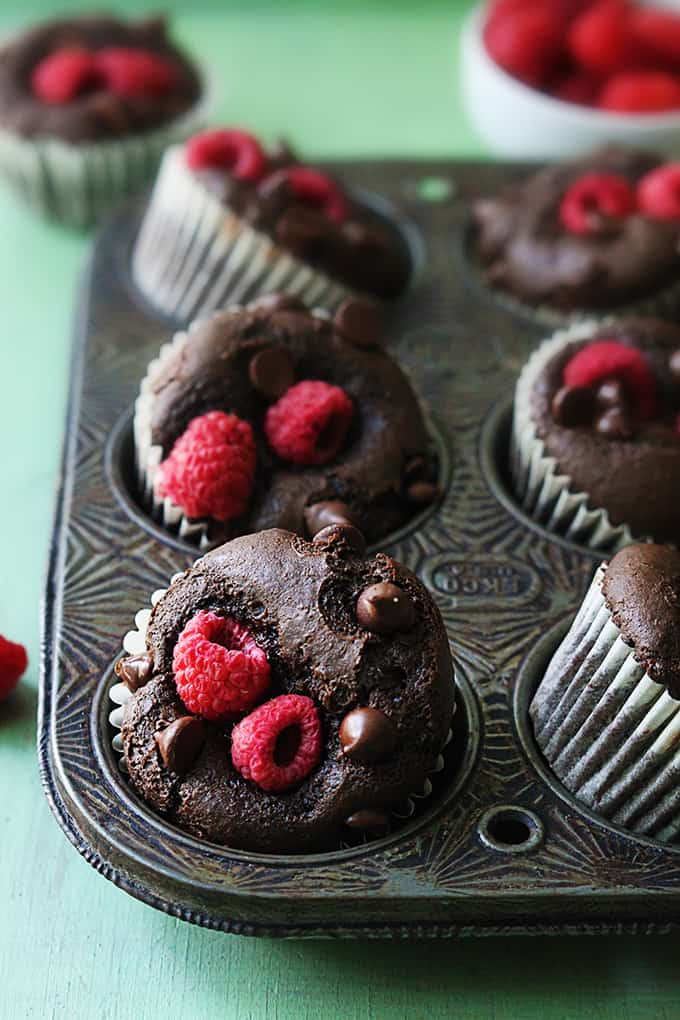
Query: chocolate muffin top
[(308, 214), (97, 112), (641, 587), (376, 668), (243, 361), (526, 250), (624, 456)]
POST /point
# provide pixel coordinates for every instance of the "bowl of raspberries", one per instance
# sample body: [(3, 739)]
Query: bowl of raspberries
[(552, 78)]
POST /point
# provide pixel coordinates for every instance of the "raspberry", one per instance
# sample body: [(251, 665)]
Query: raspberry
[(308, 425), (135, 74), (278, 744), (64, 75), (210, 469), (609, 359), (219, 667), (641, 92), (576, 87), (310, 187), (601, 41), (593, 198), (237, 152), (659, 192), (526, 42), (657, 34), (13, 663)]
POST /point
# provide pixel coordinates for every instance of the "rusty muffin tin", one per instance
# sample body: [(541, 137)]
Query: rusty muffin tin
[(499, 846)]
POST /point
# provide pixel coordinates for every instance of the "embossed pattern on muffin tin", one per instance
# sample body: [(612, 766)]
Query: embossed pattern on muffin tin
[(502, 848)]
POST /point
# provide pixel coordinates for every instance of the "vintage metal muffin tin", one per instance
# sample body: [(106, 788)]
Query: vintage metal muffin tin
[(500, 846)]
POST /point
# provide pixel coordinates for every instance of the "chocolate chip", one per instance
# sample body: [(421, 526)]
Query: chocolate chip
[(332, 511), (181, 743), (573, 406), (422, 493), (611, 393), (342, 532), (367, 735), (372, 821), (674, 364), (359, 322), (134, 671), (271, 372), (385, 609), (614, 424), (277, 302)]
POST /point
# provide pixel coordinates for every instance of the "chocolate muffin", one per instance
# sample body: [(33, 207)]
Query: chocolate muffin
[(87, 105), (347, 661), (275, 416), (596, 440), (581, 236), (607, 712), (229, 221)]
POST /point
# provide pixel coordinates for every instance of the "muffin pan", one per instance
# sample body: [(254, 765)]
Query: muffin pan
[(499, 846)]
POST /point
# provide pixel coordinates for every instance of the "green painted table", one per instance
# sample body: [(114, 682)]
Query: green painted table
[(350, 79)]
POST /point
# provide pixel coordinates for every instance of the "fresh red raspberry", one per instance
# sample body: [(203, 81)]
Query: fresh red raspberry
[(219, 667), (601, 41), (134, 73), (527, 42), (641, 92), (278, 744), (577, 87), (609, 359), (308, 425), (311, 187), (210, 469), (566, 10), (594, 197), (64, 75), (235, 151), (658, 192), (13, 663), (656, 34)]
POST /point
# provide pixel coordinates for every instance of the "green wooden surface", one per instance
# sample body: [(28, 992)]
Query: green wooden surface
[(343, 80)]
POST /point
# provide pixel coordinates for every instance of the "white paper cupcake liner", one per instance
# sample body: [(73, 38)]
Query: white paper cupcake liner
[(134, 643), (544, 493), (77, 184), (610, 733), (194, 255)]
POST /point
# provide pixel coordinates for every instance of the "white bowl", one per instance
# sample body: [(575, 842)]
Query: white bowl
[(521, 123)]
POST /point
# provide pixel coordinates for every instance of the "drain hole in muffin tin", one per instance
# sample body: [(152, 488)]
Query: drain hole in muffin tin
[(121, 474), (509, 829), (495, 464)]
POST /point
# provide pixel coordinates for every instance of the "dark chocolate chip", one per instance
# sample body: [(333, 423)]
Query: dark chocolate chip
[(277, 302), (372, 821), (385, 609), (573, 406), (367, 735), (422, 493), (611, 393), (271, 372), (614, 424), (320, 515), (342, 532), (359, 322), (181, 743), (134, 671), (674, 364)]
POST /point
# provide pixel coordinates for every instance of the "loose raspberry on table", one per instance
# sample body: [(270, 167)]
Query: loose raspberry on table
[(593, 199), (219, 667), (66, 74), (659, 192), (601, 41), (237, 152), (279, 743), (641, 92), (309, 424), (609, 359), (135, 74), (526, 41), (311, 187), (210, 469), (13, 663)]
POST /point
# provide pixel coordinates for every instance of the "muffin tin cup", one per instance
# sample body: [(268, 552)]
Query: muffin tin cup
[(544, 493), (609, 732), (78, 184)]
